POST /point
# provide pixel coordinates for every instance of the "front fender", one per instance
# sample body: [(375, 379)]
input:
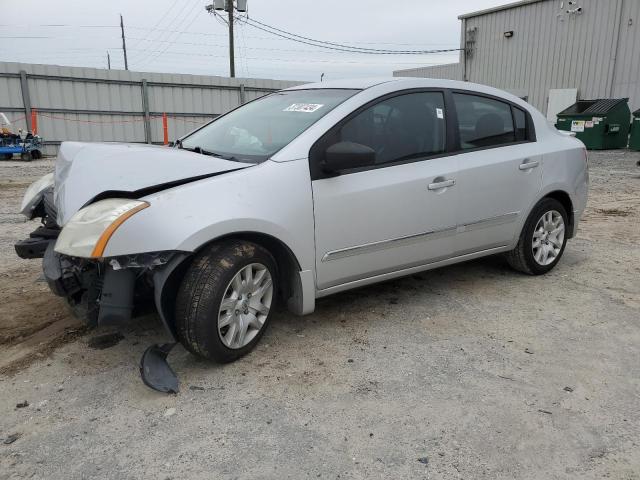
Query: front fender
[(272, 198)]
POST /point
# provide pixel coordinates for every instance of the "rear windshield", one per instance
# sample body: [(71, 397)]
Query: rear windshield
[(257, 130)]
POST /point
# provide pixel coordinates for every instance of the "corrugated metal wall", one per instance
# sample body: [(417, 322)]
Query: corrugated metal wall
[(90, 104), (552, 49), (626, 81)]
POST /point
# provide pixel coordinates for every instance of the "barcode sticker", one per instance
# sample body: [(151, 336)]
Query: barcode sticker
[(304, 107)]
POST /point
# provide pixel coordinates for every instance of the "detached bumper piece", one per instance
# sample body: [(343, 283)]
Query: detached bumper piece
[(36, 245), (156, 372), (112, 291)]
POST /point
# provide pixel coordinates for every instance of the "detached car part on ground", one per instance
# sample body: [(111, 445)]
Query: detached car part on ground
[(297, 195)]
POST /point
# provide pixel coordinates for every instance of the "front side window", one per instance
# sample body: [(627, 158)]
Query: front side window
[(400, 128), (257, 130), (483, 122)]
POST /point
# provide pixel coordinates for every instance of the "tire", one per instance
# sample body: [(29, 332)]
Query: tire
[(200, 314), (526, 256), (6, 156), (26, 156), (37, 154)]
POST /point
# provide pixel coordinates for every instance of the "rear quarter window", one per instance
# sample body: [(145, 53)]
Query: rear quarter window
[(483, 122)]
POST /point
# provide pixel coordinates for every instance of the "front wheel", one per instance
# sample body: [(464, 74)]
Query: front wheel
[(225, 300), (542, 240)]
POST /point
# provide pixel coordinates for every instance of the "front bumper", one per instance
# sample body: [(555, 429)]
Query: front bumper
[(112, 291)]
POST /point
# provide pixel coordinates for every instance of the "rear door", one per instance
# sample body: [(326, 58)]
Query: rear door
[(397, 213), (500, 171)]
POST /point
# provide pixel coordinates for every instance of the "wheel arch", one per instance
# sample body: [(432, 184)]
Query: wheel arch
[(168, 280), (565, 199)]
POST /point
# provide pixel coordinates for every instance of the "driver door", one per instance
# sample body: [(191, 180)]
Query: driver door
[(399, 212)]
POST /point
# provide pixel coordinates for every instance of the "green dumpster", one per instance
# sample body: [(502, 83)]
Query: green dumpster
[(634, 142), (601, 124)]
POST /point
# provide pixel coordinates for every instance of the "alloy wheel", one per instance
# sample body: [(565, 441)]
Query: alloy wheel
[(245, 305), (548, 238)]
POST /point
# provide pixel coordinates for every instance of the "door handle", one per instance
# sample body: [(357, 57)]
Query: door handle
[(527, 165), (443, 184)]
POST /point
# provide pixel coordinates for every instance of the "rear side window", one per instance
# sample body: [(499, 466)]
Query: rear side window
[(400, 128), (483, 122), (520, 120)]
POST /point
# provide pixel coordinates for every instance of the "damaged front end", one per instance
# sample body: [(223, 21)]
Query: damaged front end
[(94, 190), (106, 291), (100, 291), (110, 291)]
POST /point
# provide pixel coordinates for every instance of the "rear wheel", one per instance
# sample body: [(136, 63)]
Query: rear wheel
[(6, 156), (225, 300), (543, 239), (26, 156)]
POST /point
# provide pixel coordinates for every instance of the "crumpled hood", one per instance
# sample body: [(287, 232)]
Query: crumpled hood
[(85, 170)]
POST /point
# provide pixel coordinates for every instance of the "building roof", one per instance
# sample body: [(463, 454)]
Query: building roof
[(508, 6)]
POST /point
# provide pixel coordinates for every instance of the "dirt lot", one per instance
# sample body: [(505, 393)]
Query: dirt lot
[(471, 371)]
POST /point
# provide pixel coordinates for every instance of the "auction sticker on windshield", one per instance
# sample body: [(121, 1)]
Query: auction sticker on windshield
[(304, 107)]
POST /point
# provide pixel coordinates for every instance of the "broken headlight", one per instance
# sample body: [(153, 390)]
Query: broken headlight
[(33, 195), (87, 233)]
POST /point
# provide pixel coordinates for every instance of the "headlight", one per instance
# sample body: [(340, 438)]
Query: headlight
[(86, 234), (34, 193)]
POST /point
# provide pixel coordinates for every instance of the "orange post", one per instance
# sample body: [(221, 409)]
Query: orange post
[(165, 129), (34, 121)]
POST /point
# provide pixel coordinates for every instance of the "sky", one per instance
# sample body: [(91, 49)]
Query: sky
[(179, 36)]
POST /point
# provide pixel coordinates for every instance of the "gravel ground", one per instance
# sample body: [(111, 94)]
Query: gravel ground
[(471, 371)]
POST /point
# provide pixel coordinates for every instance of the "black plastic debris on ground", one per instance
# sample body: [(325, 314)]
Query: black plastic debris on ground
[(155, 370), (424, 460), (107, 340), (11, 438), (22, 404)]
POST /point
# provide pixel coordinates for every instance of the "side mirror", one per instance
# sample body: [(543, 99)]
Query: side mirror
[(346, 155)]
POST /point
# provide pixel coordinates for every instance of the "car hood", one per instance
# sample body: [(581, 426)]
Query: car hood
[(85, 171)]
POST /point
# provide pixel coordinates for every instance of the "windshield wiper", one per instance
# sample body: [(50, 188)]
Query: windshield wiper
[(202, 151)]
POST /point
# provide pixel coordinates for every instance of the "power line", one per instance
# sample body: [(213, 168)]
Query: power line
[(133, 27), (161, 50), (176, 42), (52, 25), (153, 29), (336, 46), (153, 47), (296, 60)]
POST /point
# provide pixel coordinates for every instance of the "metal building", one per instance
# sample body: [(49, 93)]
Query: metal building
[(550, 52)]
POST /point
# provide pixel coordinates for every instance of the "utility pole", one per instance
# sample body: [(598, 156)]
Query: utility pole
[(232, 63), (108, 61), (229, 6), (124, 44)]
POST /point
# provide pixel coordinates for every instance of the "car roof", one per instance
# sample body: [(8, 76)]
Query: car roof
[(351, 83), (400, 83), (390, 84)]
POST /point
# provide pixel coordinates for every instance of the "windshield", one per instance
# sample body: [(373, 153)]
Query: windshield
[(259, 129)]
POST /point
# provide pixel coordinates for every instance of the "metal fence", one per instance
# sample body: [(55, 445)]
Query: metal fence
[(88, 104)]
